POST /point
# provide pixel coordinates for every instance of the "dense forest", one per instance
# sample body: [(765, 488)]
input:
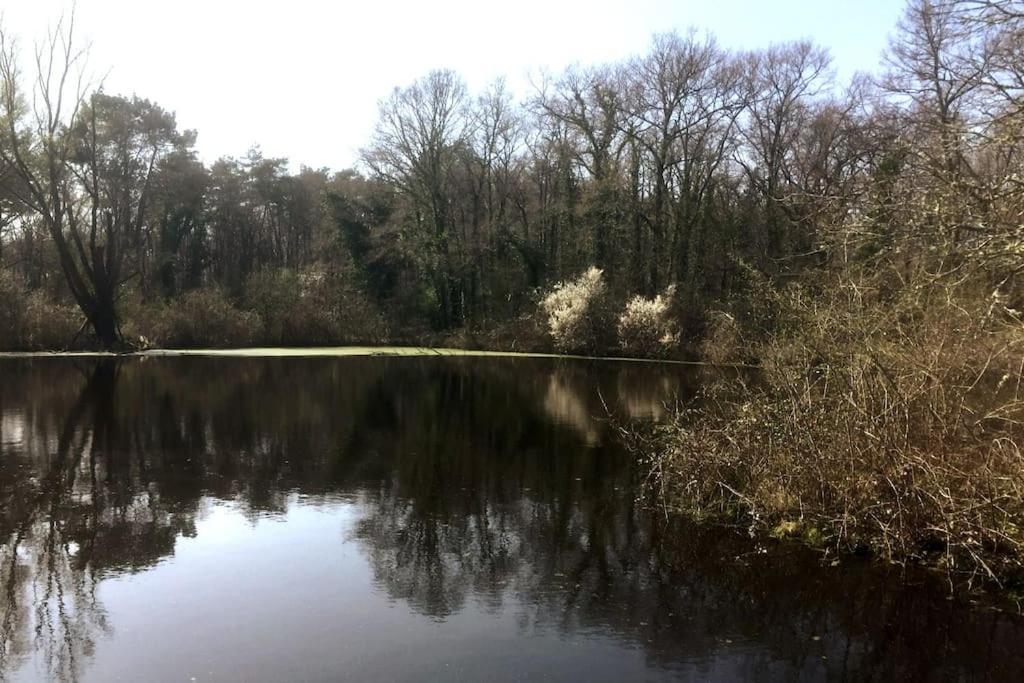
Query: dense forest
[(672, 192)]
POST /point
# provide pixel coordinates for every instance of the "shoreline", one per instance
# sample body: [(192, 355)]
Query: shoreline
[(346, 352)]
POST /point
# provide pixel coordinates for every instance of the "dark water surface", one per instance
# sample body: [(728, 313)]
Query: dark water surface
[(409, 518)]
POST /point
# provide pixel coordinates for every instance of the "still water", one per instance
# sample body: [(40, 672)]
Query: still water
[(407, 519)]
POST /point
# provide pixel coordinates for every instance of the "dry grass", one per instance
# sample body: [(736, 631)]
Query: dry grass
[(885, 426)]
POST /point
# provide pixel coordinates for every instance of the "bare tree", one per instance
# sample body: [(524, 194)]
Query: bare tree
[(589, 104), (420, 129), (787, 80), (10, 208), (38, 147), (85, 164)]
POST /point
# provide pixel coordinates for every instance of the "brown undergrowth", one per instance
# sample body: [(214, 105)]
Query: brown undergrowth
[(882, 425)]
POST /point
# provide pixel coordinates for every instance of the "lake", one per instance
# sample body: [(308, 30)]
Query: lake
[(411, 518)]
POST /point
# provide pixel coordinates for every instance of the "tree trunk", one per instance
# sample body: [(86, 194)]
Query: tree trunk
[(103, 318)]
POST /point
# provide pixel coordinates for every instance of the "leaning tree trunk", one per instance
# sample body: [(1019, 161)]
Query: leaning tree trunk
[(92, 286)]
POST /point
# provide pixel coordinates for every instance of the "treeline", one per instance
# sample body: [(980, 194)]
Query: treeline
[(702, 174)]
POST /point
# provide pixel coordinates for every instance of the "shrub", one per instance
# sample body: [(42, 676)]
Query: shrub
[(29, 321), (723, 339), (576, 312), (646, 326), (202, 318), (524, 333), (50, 326), (313, 306), (12, 306), (272, 295)]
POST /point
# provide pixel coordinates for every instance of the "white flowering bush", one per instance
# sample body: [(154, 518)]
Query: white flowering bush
[(574, 311), (647, 327)]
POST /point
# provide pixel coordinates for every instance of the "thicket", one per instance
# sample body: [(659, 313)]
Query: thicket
[(29, 321), (868, 426)]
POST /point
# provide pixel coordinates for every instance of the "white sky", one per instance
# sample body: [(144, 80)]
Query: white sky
[(302, 78)]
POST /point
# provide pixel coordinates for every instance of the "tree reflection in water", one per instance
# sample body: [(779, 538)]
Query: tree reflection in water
[(486, 484), (51, 518)]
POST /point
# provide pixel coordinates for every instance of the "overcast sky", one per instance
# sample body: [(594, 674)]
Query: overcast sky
[(302, 78)]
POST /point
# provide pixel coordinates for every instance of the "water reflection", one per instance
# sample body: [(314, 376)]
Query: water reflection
[(464, 492)]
